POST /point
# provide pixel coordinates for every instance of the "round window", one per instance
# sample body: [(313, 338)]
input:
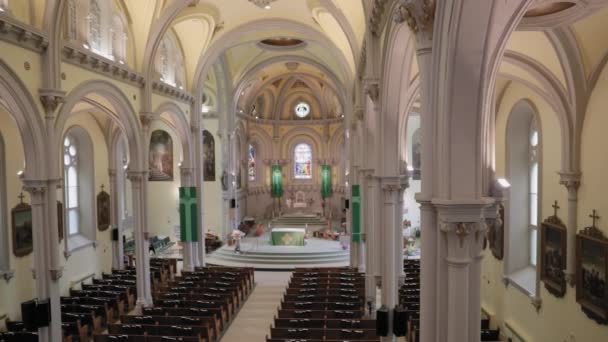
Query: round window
[(302, 109)]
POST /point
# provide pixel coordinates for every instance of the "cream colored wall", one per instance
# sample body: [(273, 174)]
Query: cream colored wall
[(21, 287), (16, 58), (163, 197), (90, 259), (212, 191), (558, 318)]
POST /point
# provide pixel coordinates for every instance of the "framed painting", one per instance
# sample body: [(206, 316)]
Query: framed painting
[(161, 156), (553, 253), (23, 240), (208, 157), (103, 210), (592, 273), (496, 233)]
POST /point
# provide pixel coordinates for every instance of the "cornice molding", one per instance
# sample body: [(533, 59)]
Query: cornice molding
[(99, 64), (162, 88), (26, 36), (289, 122)]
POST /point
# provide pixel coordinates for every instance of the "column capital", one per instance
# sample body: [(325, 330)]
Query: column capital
[(372, 89), (35, 188), (146, 118), (137, 176), (571, 180), (393, 183), (419, 15), (56, 274), (50, 99)]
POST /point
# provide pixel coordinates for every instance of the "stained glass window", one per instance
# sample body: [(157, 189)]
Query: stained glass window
[(533, 186), (95, 26), (70, 166), (302, 156), (251, 164)]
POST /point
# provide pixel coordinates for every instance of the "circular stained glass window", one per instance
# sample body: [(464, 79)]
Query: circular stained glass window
[(302, 109)]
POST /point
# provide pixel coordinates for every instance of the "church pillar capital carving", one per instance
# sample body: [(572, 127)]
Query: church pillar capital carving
[(419, 15), (571, 180), (50, 99), (146, 119), (372, 89)]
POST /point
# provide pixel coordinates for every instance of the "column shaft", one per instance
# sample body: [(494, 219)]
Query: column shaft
[(142, 264)]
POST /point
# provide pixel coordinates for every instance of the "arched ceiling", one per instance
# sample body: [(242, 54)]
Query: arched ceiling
[(274, 92)]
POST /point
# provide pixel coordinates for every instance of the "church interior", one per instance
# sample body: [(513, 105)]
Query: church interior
[(303, 170)]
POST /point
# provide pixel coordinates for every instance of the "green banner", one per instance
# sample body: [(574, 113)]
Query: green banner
[(188, 214), (356, 212), (276, 189), (325, 181)]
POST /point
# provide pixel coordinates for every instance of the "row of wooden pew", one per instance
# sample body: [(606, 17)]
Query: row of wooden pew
[(194, 307), (323, 304)]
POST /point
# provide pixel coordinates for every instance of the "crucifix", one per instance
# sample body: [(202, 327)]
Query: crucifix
[(594, 217), (555, 208), (21, 197), (102, 187)]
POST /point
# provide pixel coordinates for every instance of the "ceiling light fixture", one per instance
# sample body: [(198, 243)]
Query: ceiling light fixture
[(264, 4)]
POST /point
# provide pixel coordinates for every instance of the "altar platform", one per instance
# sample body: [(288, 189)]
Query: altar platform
[(258, 252)]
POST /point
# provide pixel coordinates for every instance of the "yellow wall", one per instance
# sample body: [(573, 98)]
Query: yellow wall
[(558, 318)]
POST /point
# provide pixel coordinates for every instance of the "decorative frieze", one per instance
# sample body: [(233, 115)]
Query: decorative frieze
[(463, 229), (163, 88), (29, 37), (99, 64), (252, 119)]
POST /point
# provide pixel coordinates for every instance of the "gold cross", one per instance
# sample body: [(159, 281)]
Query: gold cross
[(555, 207), (594, 217), (287, 239), (21, 197)]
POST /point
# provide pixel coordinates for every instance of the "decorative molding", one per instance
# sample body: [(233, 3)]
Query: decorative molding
[(251, 119), (26, 36), (362, 60), (570, 179), (536, 302), (419, 15), (99, 64), (7, 275), (50, 99), (137, 176), (263, 4), (210, 115), (56, 274), (372, 89), (163, 88), (376, 16), (146, 118)]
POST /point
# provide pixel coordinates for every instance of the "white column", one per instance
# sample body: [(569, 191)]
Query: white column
[(571, 180), (199, 247), (392, 197), (142, 264), (372, 226), (46, 274), (188, 247), (115, 217)]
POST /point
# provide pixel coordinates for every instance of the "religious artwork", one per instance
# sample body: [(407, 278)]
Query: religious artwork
[(496, 233), (60, 214), (302, 156), (251, 164), (161, 156), (276, 182), (553, 254), (208, 157), (592, 272), (416, 161), (103, 210), (23, 239), (326, 187)]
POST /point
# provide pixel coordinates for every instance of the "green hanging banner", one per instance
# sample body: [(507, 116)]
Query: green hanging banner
[(277, 181), (188, 214), (325, 181), (356, 212)]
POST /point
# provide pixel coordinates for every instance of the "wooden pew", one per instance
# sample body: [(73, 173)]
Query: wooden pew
[(209, 322)]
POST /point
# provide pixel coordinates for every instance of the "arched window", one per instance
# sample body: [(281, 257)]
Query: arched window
[(251, 164), (119, 39), (94, 19), (302, 157), (70, 174), (521, 219), (72, 21), (79, 191), (170, 62), (533, 187)]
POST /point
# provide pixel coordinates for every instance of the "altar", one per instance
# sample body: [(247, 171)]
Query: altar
[(287, 236)]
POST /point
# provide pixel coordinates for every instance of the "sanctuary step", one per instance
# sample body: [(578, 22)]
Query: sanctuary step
[(299, 221)]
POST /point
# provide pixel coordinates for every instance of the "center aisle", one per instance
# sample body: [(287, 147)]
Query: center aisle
[(252, 322)]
